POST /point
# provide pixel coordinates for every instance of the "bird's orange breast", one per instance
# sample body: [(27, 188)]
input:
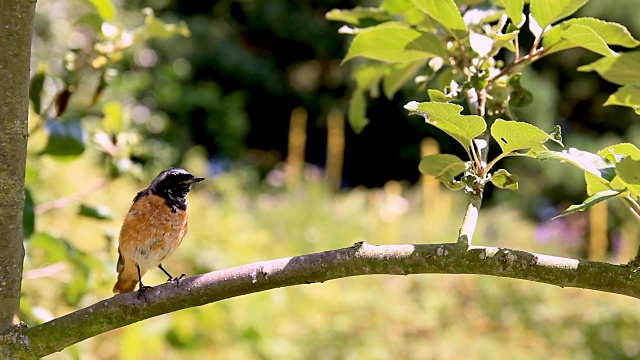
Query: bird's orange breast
[(152, 230)]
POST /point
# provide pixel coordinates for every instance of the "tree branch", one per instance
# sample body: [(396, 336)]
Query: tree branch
[(360, 259)]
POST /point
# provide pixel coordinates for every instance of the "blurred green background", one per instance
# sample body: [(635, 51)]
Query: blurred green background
[(218, 103)]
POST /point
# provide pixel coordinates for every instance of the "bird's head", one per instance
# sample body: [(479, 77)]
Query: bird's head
[(173, 183)]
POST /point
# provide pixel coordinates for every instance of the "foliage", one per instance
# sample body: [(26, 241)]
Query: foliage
[(454, 55)]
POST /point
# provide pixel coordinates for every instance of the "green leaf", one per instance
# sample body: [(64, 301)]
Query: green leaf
[(444, 11), (156, 28), (515, 135), (585, 37), (357, 114), (505, 180), (368, 76), (438, 96), (628, 170), (359, 16), (105, 8), (623, 69), (602, 169), (113, 121), (66, 138), (447, 118), (51, 248), (29, 216), (590, 201), (35, 88), (519, 96), (617, 152), (595, 184), (514, 9), (627, 95), (546, 12), (444, 167), (611, 33), (397, 75), (393, 42), (95, 212)]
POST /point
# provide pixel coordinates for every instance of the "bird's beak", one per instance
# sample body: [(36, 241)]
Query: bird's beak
[(191, 181)]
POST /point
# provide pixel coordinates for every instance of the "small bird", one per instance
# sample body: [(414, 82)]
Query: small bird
[(153, 228)]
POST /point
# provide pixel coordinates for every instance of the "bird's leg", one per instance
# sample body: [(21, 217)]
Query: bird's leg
[(142, 286), (171, 278)]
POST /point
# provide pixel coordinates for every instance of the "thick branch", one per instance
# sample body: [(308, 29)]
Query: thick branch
[(16, 24), (360, 259)]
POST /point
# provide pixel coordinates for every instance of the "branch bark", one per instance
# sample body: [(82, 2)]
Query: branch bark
[(359, 259), (16, 24)]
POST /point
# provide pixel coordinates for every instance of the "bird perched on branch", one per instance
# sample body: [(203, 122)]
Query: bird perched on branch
[(153, 228)]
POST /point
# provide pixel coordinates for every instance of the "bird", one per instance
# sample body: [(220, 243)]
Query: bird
[(153, 229)]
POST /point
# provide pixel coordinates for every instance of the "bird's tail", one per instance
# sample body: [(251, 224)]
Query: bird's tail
[(124, 285), (127, 277)]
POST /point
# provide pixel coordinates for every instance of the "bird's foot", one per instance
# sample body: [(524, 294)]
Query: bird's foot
[(141, 291), (176, 279)]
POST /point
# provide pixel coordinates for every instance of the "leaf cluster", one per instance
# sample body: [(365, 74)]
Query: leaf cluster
[(450, 49)]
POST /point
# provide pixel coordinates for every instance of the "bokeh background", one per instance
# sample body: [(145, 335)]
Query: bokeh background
[(222, 103)]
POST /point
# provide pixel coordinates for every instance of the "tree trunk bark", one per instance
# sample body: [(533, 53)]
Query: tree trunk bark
[(16, 27)]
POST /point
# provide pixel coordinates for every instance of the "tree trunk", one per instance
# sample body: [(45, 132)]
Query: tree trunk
[(16, 26)]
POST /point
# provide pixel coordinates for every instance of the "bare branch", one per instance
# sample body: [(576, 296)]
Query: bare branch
[(360, 259)]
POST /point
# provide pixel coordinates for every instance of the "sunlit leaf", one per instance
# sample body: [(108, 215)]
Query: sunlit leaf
[(612, 34), (438, 96), (623, 69), (105, 8), (602, 169), (444, 11), (368, 77), (447, 118), (585, 37), (444, 167), (547, 12), (617, 152), (514, 9), (359, 16), (66, 138), (393, 42), (505, 180), (113, 121), (515, 135), (628, 95), (590, 201), (628, 170)]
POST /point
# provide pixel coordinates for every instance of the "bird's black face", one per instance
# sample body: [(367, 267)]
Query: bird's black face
[(173, 183)]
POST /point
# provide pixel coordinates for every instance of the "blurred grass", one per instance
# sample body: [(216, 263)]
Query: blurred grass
[(234, 221)]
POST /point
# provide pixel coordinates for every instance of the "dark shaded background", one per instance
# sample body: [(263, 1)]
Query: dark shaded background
[(251, 63)]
